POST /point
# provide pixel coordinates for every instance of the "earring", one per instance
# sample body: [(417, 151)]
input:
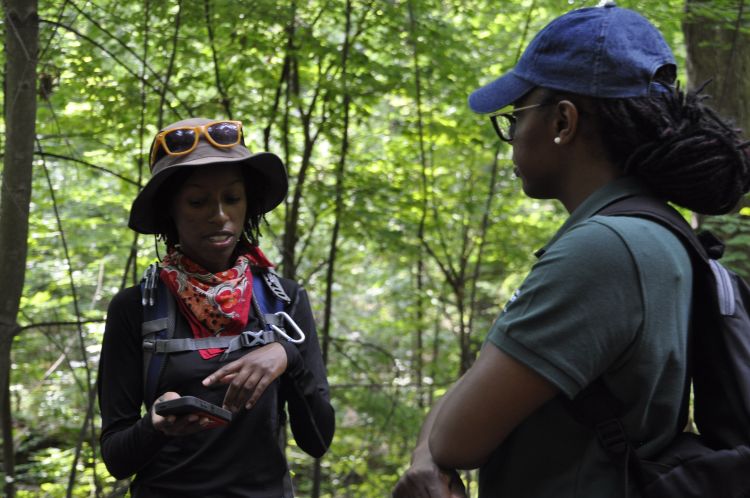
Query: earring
[(557, 140)]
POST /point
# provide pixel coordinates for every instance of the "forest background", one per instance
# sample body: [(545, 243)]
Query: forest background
[(403, 220)]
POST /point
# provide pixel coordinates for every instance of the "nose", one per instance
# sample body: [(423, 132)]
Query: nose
[(219, 213)]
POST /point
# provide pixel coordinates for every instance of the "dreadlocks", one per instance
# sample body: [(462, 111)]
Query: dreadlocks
[(679, 147)]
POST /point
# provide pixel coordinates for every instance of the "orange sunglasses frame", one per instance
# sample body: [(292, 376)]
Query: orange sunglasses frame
[(200, 129)]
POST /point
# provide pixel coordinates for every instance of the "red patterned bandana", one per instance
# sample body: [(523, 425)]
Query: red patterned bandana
[(214, 303)]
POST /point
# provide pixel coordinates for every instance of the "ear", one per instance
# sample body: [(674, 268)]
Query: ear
[(566, 122)]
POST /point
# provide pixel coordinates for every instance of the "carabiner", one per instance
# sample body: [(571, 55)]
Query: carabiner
[(289, 321)]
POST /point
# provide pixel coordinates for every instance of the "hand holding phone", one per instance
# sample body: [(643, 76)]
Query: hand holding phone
[(187, 405)]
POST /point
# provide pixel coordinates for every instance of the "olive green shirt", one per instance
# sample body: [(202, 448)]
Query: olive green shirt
[(609, 296)]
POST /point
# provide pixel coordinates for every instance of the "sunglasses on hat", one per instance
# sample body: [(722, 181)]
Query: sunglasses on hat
[(184, 139)]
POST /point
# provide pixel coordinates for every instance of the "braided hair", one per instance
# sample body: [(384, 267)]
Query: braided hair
[(679, 147)]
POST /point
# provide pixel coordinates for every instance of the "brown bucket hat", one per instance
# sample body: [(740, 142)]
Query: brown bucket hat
[(265, 166)]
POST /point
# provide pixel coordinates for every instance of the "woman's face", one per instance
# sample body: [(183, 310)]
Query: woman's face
[(534, 150), (209, 212)]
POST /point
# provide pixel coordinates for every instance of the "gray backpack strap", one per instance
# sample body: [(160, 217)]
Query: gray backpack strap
[(166, 346), (247, 339)]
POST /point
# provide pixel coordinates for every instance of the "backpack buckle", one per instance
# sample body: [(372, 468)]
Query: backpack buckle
[(250, 339)]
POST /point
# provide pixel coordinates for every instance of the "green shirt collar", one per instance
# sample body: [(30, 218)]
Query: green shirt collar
[(619, 188)]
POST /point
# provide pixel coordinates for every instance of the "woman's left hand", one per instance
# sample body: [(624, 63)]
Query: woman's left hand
[(249, 376)]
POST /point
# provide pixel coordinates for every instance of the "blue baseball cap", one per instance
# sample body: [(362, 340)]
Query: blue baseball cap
[(603, 52)]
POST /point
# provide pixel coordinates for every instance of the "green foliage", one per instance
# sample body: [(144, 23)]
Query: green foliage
[(734, 231), (114, 72)]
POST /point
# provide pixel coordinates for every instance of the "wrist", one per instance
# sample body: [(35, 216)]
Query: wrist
[(293, 356)]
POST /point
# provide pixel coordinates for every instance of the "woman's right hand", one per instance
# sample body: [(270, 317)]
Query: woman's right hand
[(424, 479), (177, 425)]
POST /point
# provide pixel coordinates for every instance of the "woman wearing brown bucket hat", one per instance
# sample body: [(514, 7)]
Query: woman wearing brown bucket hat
[(212, 321)]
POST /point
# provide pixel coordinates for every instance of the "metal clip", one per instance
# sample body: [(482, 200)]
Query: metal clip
[(288, 320), (149, 286)]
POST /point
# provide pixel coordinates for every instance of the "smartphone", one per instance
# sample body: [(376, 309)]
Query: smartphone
[(191, 405)]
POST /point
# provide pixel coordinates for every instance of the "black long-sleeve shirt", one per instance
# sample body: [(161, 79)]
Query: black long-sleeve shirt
[(242, 459)]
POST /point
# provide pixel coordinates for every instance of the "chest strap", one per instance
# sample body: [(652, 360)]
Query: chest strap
[(247, 339), (158, 324), (277, 323)]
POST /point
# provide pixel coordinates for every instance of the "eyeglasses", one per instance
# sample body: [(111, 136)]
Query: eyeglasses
[(506, 128), (184, 140)]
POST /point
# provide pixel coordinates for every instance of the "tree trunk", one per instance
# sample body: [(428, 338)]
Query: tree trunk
[(719, 49), (21, 47)]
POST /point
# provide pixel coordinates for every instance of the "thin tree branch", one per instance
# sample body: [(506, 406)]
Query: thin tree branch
[(143, 60), (525, 33), (40, 325), (74, 295), (483, 235), (170, 66), (276, 101), (211, 42), (730, 67), (114, 57), (44, 155)]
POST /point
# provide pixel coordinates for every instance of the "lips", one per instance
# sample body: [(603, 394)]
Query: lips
[(221, 238)]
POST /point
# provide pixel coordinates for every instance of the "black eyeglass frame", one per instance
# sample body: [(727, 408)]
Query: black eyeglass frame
[(512, 119)]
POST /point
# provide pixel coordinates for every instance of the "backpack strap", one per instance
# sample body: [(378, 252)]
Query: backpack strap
[(269, 300), (718, 358), (651, 208), (271, 297), (159, 318), (596, 406)]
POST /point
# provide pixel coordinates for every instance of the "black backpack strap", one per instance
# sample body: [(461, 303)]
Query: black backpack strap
[(651, 208), (159, 318), (269, 297), (598, 408), (273, 292)]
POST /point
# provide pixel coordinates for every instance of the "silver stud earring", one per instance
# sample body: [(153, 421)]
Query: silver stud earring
[(557, 140)]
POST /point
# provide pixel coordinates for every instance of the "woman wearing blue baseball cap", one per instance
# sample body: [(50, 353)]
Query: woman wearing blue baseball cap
[(202, 361), (594, 117)]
